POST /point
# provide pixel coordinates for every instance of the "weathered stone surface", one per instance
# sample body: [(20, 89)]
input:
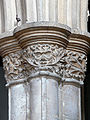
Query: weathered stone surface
[(39, 58)]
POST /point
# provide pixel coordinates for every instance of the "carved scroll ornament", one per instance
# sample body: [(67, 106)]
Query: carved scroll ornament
[(49, 57), (12, 64), (76, 65)]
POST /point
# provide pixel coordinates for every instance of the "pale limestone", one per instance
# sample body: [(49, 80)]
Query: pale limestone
[(44, 57), (9, 14), (18, 102), (31, 11), (70, 102), (69, 12), (44, 67)]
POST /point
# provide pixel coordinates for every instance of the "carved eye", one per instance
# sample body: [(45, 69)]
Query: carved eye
[(48, 54), (38, 54)]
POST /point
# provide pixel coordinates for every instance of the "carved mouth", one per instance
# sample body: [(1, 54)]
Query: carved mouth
[(43, 61)]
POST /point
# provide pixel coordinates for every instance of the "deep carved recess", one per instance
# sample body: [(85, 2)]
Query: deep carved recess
[(75, 65), (13, 66), (44, 57)]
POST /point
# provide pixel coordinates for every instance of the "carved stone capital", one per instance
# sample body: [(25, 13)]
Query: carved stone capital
[(44, 57), (43, 48), (75, 65), (12, 64)]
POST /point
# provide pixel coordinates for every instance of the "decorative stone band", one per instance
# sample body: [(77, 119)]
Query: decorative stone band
[(43, 34), (79, 42), (8, 44)]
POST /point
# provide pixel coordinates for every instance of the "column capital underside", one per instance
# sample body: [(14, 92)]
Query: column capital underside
[(45, 50)]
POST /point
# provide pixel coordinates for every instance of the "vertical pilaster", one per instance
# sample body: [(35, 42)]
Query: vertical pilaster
[(84, 14), (9, 14), (31, 10)]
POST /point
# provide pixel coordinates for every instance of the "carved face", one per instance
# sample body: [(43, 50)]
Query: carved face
[(42, 58), (43, 54)]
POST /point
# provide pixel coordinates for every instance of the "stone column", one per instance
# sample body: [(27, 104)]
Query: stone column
[(44, 67), (33, 61), (18, 89), (70, 91), (43, 56), (43, 78)]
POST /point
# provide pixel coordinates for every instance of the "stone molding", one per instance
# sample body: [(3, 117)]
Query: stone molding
[(9, 45), (43, 50), (79, 42)]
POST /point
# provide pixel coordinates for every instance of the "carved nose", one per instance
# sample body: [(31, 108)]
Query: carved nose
[(43, 59)]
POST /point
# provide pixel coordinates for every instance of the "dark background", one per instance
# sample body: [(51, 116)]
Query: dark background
[(87, 81), (4, 91), (3, 95)]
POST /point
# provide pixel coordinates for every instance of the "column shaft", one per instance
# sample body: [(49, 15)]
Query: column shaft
[(71, 107), (18, 102), (43, 98)]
